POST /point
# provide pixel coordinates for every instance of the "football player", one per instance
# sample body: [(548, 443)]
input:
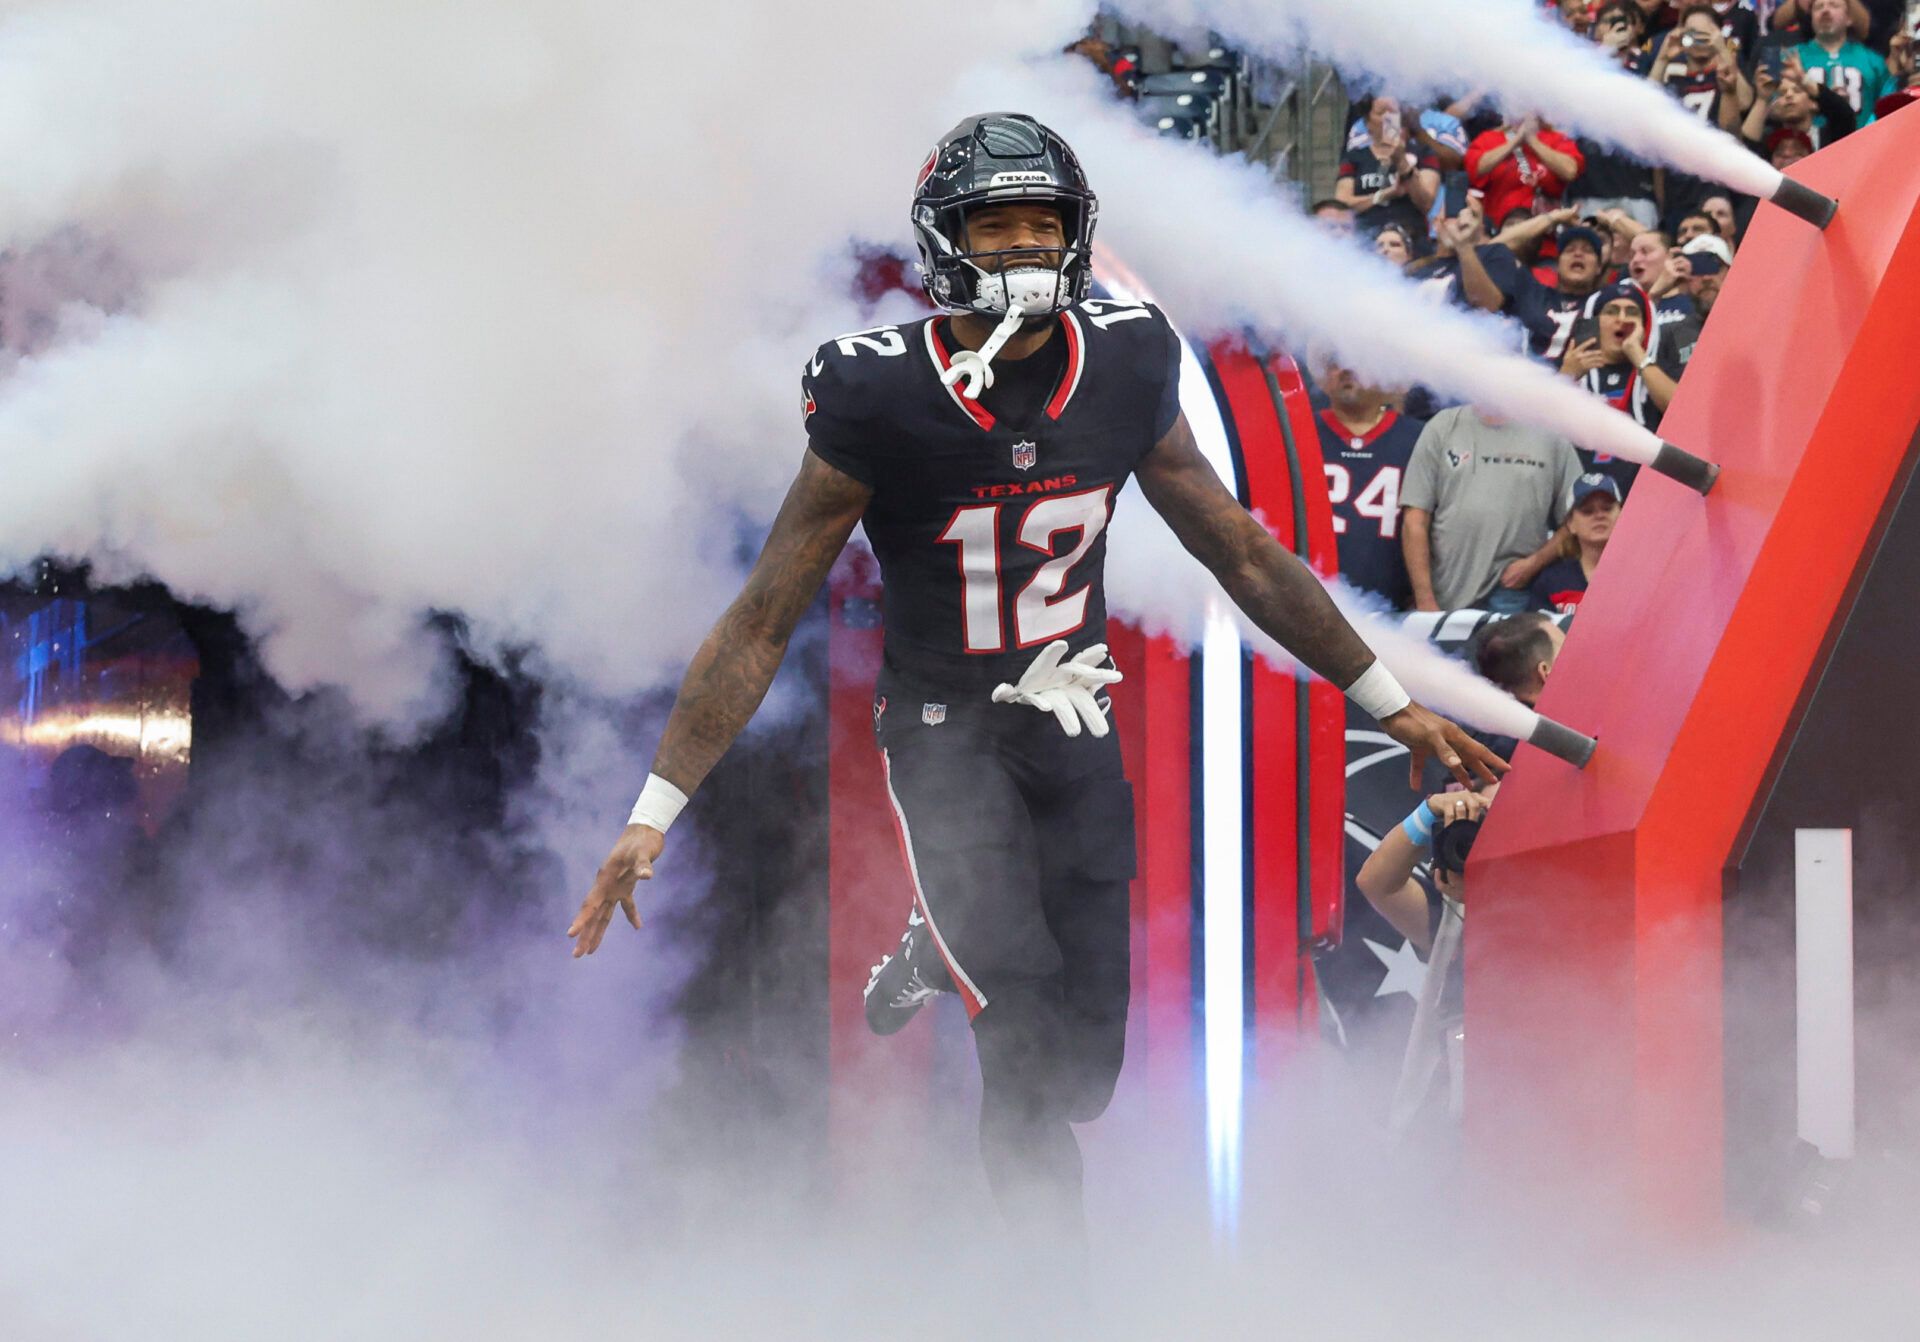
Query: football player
[(983, 450)]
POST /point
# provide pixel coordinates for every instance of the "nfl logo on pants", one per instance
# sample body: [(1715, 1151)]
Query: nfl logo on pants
[(1024, 455), (933, 714)]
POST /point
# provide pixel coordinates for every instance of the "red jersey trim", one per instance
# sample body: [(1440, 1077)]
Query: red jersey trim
[(1076, 363), (936, 351), (970, 994), (1367, 439)]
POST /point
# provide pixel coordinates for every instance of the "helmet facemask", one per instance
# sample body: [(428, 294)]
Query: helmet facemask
[(994, 160), (991, 281)]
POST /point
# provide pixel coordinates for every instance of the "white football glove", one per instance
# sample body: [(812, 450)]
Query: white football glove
[(1064, 689)]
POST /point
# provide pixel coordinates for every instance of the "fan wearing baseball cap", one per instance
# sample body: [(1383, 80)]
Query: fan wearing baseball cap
[(1548, 311), (1704, 264), (1596, 506)]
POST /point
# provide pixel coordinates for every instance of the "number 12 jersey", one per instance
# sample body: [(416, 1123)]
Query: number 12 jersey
[(989, 517)]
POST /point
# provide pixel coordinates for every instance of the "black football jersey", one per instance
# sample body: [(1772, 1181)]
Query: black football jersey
[(989, 517), (1546, 314), (1698, 90), (1364, 472)]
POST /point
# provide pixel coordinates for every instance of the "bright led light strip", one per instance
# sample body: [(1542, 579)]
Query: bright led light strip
[(1222, 839), (1222, 863), (1222, 830), (1222, 914)]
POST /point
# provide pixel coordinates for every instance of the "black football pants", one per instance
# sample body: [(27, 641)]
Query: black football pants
[(1021, 846)]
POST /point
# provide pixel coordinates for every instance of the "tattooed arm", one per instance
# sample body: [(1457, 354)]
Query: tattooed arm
[(1282, 596), (1277, 591), (729, 675)]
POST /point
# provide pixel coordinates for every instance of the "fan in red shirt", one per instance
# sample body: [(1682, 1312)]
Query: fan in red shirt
[(1523, 166)]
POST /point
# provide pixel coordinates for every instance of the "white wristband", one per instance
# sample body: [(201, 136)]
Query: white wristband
[(659, 805), (1378, 693)]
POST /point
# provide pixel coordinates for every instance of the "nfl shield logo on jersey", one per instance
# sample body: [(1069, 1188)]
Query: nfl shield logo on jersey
[(933, 714), (1024, 455)]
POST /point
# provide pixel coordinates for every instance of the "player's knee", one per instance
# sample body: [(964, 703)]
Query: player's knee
[(1092, 1098), (1100, 1052), (1021, 1037)]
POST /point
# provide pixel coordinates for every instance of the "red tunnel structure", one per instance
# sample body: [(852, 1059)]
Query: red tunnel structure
[(1595, 1004), (1292, 883)]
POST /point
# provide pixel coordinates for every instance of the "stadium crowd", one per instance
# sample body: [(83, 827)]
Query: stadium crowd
[(1608, 267)]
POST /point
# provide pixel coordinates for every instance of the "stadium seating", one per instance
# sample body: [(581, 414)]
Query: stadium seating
[(1188, 116)]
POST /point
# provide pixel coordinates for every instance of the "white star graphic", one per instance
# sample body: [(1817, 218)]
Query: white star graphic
[(1405, 972)]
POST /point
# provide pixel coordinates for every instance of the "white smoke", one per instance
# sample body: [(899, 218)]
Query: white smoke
[(500, 310), (1505, 47), (503, 316), (1225, 250), (1171, 593)]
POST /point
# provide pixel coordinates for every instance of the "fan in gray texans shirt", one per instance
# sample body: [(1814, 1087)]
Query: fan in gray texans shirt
[(1482, 502)]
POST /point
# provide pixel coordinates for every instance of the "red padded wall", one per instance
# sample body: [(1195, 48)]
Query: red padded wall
[(1594, 1002), (1327, 887)]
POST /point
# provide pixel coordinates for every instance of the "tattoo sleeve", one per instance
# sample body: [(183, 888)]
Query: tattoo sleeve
[(729, 675), (1278, 592)]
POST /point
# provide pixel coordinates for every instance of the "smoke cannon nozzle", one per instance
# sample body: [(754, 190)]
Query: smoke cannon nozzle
[(1810, 205), (1559, 739), (1689, 470)]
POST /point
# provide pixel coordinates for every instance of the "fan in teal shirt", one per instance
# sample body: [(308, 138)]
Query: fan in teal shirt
[(1852, 69)]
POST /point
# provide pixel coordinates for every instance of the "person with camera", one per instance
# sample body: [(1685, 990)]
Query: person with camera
[(1385, 180), (1796, 105), (1517, 654), (1439, 833), (1390, 876), (1699, 66), (1614, 179), (1620, 30)]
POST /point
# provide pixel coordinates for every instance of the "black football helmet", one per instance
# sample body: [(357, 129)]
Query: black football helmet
[(1001, 158)]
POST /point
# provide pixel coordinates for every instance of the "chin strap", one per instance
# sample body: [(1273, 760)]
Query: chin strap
[(972, 364)]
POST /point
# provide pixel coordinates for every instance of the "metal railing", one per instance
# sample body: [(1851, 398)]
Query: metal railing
[(1290, 116), (1301, 114)]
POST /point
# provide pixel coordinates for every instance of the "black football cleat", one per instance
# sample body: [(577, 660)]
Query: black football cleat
[(905, 981)]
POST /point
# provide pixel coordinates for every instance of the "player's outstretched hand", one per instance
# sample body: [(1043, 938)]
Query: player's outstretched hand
[(631, 860), (1427, 735)]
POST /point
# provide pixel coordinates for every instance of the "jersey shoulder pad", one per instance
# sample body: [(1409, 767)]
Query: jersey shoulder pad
[(1136, 340), (1112, 320), (850, 375)]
